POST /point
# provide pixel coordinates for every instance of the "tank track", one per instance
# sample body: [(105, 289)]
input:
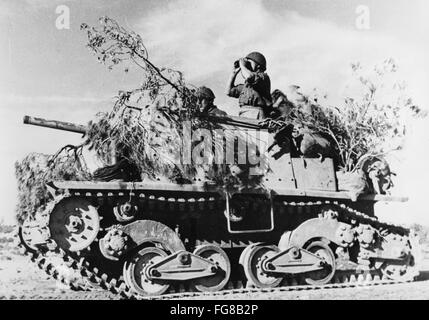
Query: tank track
[(92, 278), (118, 287), (43, 263)]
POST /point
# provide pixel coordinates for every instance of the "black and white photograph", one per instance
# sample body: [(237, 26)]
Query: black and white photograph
[(231, 151)]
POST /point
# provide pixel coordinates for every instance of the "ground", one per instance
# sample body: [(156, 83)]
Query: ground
[(21, 279)]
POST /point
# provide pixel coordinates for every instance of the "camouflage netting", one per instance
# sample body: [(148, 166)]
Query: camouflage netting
[(146, 125), (34, 171), (152, 138)]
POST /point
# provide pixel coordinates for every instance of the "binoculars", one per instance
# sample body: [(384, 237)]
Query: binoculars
[(237, 63)]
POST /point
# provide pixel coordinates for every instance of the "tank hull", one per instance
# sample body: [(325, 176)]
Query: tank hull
[(170, 221)]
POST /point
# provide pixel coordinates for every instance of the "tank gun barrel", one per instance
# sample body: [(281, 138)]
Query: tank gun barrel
[(79, 128), (54, 124)]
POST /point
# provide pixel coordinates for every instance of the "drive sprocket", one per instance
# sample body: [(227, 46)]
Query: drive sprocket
[(74, 223)]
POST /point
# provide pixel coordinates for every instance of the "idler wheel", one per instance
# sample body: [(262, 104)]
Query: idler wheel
[(26, 235), (411, 254), (219, 280), (394, 272), (322, 250), (136, 276), (74, 223), (400, 272), (252, 264)]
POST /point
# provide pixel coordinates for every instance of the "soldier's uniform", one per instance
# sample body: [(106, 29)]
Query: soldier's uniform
[(254, 96)]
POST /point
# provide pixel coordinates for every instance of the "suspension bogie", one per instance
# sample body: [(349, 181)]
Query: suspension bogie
[(157, 239)]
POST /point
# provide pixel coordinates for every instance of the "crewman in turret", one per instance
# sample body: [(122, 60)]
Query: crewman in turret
[(206, 103), (254, 96)]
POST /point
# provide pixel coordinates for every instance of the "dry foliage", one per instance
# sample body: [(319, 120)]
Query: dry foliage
[(145, 125), (32, 174), (369, 124)]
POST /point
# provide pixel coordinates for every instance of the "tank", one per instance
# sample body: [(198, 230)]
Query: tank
[(149, 238)]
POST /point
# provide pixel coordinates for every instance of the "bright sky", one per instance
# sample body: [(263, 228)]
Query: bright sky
[(49, 73)]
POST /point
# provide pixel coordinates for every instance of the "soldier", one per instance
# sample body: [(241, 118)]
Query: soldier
[(254, 96), (206, 103)]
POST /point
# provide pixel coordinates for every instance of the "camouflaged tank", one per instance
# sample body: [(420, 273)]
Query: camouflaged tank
[(151, 238)]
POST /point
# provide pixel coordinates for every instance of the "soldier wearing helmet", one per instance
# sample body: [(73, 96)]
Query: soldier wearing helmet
[(254, 96), (206, 102)]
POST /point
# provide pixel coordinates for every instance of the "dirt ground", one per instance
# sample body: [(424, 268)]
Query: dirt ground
[(418, 290), (21, 279)]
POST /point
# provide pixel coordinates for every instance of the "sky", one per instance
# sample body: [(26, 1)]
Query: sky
[(48, 72)]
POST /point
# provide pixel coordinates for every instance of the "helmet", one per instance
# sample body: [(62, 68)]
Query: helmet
[(204, 92), (258, 58)]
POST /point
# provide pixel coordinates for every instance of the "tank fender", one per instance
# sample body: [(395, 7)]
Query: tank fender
[(142, 231), (331, 229)]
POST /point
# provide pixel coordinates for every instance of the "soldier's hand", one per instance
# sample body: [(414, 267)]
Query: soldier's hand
[(242, 62)]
